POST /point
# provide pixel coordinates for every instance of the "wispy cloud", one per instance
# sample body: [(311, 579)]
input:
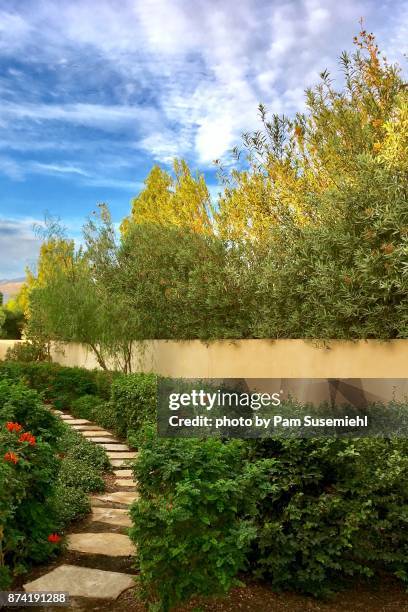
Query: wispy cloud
[(94, 93)]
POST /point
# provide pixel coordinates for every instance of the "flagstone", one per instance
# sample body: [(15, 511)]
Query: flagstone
[(82, 582), (114, 447), (123, 473), (121, 455), (94, 433), (119, 497), (112, 516), (66, 417), (125, 482), (105, 543), (89, 428), (107, 441), (72, 421), (119, 463)]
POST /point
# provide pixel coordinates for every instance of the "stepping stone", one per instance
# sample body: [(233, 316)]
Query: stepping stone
[(57, 412), (66, 417), (112, 516), (72, 421), (123, 473), (93, 433), (125, 482), (107, 441), (119, 463), (114, 447), (89, 428), (121, 455), (119, 497), (112, 544), (82, 582)]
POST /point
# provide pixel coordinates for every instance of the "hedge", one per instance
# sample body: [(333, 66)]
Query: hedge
[(299, 514)]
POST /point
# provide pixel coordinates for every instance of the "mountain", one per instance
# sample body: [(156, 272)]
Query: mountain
[(10, 287)]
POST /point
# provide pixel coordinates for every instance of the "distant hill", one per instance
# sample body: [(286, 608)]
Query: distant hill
[(10, 287)]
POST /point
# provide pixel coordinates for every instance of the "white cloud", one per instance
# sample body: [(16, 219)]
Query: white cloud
[(186, 78)]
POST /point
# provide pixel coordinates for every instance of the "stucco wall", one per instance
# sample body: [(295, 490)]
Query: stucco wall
[(255, 358), (263, 359)]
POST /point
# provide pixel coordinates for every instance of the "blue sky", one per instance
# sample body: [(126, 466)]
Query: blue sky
[(93, 93)]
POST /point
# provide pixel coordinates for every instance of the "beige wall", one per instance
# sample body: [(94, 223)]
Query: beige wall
[(255, 358), (4, 345), (263, 359)]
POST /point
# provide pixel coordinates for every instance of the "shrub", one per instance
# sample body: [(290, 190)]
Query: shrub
[(28, 473), (339, 507), (303, 513), (86, 407), (76, 447), (70, 504), (190, 537), (27, 352), (58, 384), (75, 473), (23, 405), (133, 402), (40, 494)]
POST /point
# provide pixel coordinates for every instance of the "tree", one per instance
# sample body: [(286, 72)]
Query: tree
[(292, 164), (181, 200)]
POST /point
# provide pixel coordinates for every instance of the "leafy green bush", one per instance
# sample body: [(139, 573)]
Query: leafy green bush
[(304, 513), (85, 407), (23, 405), (133, 402), (190, 537), (58, 384), (28, 474), (69, 504), (40, 494), (75, 473), (27, 352), (74, 446)]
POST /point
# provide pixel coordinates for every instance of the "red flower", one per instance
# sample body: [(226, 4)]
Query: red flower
[(10, 426), (11, 457), (27, 437), (54, 538)]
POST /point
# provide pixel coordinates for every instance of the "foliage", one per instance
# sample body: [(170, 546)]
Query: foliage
[(70, 503), (86, 407), (58, 384), (133, 400), (188, 286), (13, 322), (305, 513), (76, 448), (28, 352), (189, 536), (28, 474), (20, 404), (45, 471), (181, 201)]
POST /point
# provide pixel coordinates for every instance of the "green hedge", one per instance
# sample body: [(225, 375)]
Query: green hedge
[(57, 384), (300, 514)]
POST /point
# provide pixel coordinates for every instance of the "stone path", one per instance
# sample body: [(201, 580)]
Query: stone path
[(104, 543)]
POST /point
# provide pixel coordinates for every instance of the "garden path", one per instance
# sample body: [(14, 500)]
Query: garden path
[(98, 564)]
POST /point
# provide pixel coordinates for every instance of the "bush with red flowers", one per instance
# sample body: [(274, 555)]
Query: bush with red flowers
[(29, 468)]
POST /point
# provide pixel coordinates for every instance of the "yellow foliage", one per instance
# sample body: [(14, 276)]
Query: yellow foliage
[(182, 200)]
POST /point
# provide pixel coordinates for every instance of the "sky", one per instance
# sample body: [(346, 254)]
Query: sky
[(94, 92)]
